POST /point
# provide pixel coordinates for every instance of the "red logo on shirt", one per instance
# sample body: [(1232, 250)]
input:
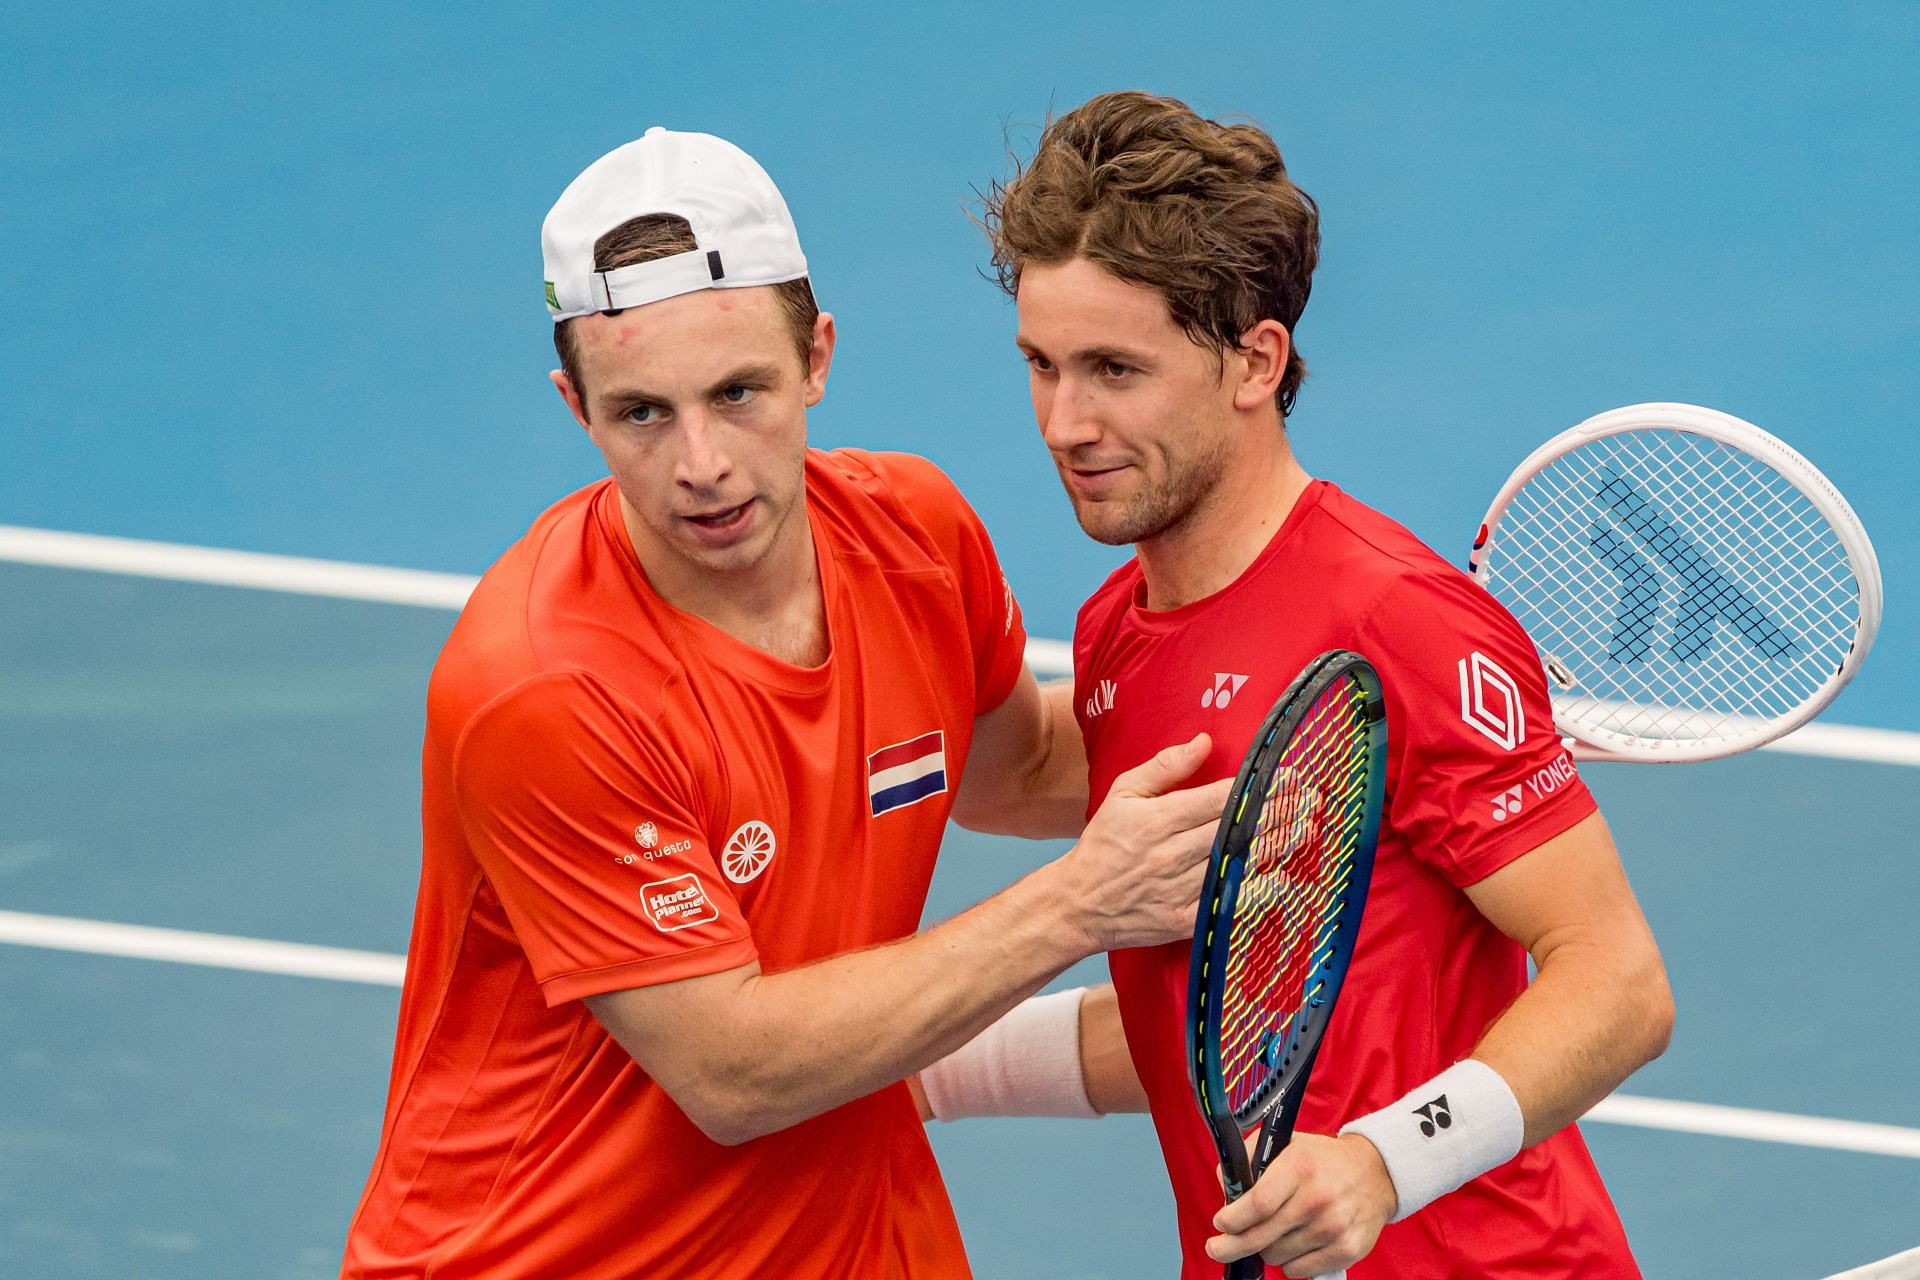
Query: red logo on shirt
[(679, 903)]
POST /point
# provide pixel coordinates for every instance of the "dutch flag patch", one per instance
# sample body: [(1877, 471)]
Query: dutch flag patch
[(899, 775)]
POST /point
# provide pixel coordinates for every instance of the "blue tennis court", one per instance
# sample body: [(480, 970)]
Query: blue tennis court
[(274, 280)]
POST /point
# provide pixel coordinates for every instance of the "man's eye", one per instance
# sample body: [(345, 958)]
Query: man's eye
[(1114, 369), (642, 414), (738, 393), (1039, 363)]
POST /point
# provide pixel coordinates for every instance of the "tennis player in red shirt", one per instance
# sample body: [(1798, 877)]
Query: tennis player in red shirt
[(1160, 262), (690, 751)]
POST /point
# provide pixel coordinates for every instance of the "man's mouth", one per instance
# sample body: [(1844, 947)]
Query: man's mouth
[(721, 524), (721, 515), (1093, 481)]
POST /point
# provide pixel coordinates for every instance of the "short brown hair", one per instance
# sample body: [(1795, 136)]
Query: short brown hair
[(661, 235), (1201, 211)]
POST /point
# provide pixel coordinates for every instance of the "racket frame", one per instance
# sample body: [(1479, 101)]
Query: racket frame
[(1278, 1099), (1745, 733)]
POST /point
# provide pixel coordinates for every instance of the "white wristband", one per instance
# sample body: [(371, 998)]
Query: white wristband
[(1026, 1064), (1445, 1133)]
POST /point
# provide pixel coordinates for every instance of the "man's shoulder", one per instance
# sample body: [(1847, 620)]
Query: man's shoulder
[(901, 487), (561, 599), (1401, 594), (896, 509), (1366, 545), (881, 469)]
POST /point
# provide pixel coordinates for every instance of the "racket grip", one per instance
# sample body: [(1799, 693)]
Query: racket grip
[(1253, 1269)]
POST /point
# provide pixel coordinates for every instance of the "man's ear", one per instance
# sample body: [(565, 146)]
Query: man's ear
[(819, 357), (571, 394), (1264, 350)]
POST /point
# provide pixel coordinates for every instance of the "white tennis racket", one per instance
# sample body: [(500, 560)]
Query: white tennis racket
[(1695, 587)]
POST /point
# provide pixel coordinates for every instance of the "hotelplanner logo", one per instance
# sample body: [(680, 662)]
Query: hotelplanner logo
[(679, 903)]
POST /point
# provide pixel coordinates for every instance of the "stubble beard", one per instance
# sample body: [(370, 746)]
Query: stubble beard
[(1154, 510)]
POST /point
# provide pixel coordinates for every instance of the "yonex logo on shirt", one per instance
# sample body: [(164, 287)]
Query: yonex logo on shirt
[(1506, 804), (1490, 701), (1553, 777), (1224, 687)]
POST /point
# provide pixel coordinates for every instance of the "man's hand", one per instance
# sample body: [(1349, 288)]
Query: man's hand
[(1317, 1208), (1137, 869)]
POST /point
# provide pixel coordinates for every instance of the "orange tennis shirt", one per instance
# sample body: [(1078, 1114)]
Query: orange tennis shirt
[(618, 794)]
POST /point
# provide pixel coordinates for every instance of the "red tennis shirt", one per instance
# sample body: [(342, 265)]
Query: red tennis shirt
[(1476, 777), (619, 794)]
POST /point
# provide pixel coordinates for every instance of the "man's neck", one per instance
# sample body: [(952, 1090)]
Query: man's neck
[(1226, 531), (776, 606)]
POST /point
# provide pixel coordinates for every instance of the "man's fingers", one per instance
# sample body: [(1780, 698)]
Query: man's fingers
[(1191, 810), (1265, 1198), (1171, 766)]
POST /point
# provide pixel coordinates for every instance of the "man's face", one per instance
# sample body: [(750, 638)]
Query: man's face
[(1136, 414), (698, 404)]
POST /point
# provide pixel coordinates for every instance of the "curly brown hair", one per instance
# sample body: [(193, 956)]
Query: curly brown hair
[(1202, 211)]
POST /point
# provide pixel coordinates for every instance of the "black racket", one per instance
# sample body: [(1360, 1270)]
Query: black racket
[(1280, 910)]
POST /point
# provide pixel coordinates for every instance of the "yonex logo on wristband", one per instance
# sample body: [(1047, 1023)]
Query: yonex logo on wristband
[(1434, 1116), (1485, 1135)]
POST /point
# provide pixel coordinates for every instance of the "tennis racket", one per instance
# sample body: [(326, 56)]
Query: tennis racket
[(1695, 587), (1285, 887)]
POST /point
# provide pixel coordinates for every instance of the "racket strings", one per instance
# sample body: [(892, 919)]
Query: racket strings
[(1614, 557), (1300, 865), (1633, 610)]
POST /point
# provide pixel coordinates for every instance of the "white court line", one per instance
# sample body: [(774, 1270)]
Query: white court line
[(1761, 1126), (379, 583), (178, 563), (259, 955)]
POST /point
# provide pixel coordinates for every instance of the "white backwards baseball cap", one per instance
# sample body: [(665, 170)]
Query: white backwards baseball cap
[(741, 224)]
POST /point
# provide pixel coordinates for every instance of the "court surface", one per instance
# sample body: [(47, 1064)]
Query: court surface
[(273, 284)]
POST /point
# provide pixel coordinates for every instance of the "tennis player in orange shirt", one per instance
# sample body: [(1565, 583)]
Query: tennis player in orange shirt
[(690, 751)]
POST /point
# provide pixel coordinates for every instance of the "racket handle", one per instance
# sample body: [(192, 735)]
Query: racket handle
[(1253, 1269)]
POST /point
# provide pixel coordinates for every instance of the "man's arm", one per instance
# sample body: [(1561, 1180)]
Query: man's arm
[(746, 1053), (1015, 1068), (1599, 1007), (1597, 1010), (1113, 1083), (1026, 772)]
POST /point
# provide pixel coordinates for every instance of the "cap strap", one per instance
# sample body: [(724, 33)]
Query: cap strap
[(644, 282)]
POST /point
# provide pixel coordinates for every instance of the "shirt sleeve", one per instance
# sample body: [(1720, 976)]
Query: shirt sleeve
[(1477, 773), (592, 835), (997, 633)]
